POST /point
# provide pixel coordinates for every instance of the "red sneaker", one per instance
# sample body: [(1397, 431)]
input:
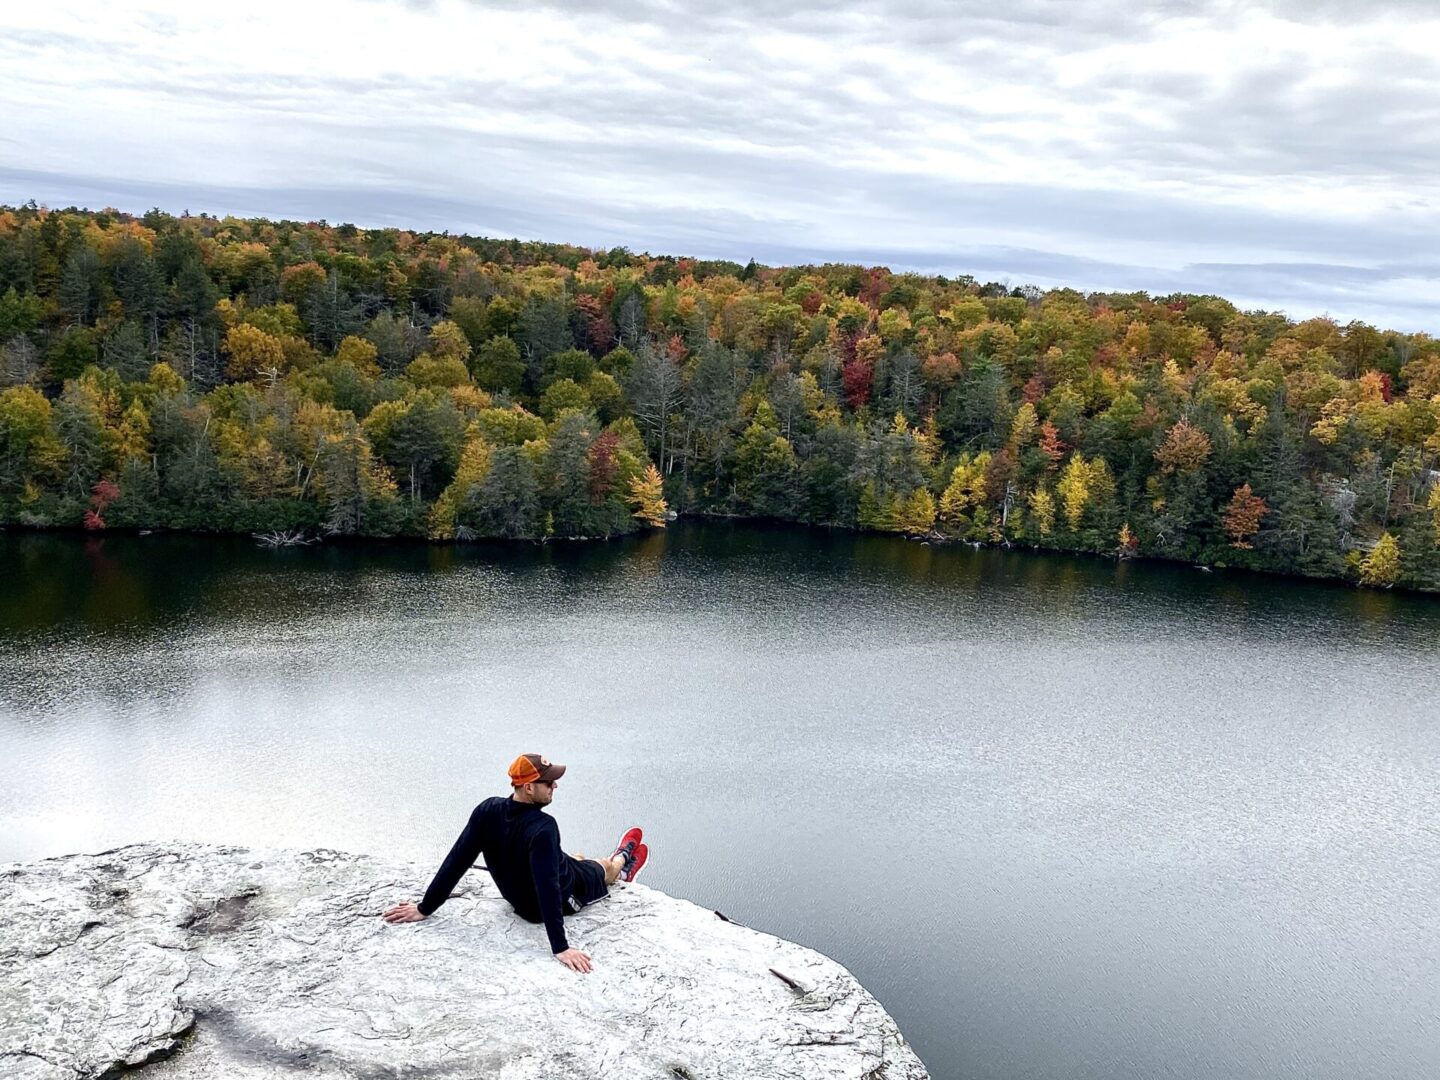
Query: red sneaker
[(628, 843), (635, 863)]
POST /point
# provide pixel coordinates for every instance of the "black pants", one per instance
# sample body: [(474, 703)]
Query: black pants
[(588, 884)]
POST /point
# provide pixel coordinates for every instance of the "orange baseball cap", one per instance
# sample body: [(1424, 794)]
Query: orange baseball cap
[(533, 768)]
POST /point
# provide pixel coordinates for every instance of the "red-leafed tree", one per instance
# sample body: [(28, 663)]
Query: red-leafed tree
[(873, 285), (101, 496), (599, 327), (855, 379), (602, 466)]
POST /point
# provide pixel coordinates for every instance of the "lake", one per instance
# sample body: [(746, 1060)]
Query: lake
[(1065, 818)]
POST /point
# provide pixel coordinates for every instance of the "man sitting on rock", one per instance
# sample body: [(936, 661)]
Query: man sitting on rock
[(521, 845)]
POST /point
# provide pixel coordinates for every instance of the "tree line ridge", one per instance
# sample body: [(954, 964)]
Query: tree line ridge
[(227, 374)]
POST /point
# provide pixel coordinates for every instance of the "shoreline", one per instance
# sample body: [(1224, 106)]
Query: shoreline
[(936, 539)]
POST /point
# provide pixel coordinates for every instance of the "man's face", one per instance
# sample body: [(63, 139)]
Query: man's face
[(541, 793)]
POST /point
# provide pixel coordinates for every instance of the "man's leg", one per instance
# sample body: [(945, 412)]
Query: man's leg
[(612, 866)]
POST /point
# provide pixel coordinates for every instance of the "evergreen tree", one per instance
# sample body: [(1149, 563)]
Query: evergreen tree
[(506, 503)]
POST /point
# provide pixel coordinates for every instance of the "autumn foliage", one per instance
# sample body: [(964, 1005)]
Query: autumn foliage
[(1185, 450), (102, 494), (648, 499), (242, 375), (1242, 516)]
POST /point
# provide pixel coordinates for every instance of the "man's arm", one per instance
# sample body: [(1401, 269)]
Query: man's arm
[(545, 872), (545, 869), (463, 854)]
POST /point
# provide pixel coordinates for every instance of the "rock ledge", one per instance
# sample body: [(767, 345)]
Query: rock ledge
[(197, 961)]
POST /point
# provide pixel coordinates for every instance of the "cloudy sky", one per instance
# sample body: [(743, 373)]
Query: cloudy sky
[(1282, 153)]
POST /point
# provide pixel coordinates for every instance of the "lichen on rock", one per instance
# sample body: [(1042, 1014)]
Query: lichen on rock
[(198, 961)]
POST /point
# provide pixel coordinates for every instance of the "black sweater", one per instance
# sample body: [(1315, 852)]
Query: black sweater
[(521, 845)]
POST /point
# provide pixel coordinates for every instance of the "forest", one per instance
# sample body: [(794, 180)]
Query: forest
[(245, 375)]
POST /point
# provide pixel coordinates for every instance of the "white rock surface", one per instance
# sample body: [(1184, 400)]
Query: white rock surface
[(199, 961)]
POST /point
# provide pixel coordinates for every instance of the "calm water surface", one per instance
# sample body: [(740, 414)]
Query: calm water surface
[(1066, 819)]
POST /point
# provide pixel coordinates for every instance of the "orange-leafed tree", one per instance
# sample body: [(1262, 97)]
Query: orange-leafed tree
[(1185, 450), (1242, 516), (1051, 445)]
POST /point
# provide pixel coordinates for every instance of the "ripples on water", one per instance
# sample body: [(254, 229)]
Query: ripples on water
[(1065, 818)]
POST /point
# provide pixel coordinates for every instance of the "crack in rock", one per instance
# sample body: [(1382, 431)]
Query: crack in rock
[(160, 1053), (84, 929)]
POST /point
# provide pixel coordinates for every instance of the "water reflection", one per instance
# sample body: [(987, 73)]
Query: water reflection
[(1121, 820), (125, 584)]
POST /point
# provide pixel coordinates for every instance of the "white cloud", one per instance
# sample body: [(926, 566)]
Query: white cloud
[(1192, 145)]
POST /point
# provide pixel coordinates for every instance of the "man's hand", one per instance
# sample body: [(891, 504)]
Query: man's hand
[(406, 912), (575, 960)]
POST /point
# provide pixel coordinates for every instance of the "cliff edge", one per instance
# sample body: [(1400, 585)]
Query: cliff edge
[(198, 961)]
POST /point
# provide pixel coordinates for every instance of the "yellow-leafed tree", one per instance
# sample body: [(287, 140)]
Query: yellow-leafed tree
[(131, 437), (647, 499), (1074, 490), (1024, 426), (965, 491), (1042, 511), (252, 352), (474, 464), (1127, 543), (917, 513), (1382, 566)]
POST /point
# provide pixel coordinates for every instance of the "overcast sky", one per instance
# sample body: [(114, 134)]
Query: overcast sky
[(1278, 152)]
